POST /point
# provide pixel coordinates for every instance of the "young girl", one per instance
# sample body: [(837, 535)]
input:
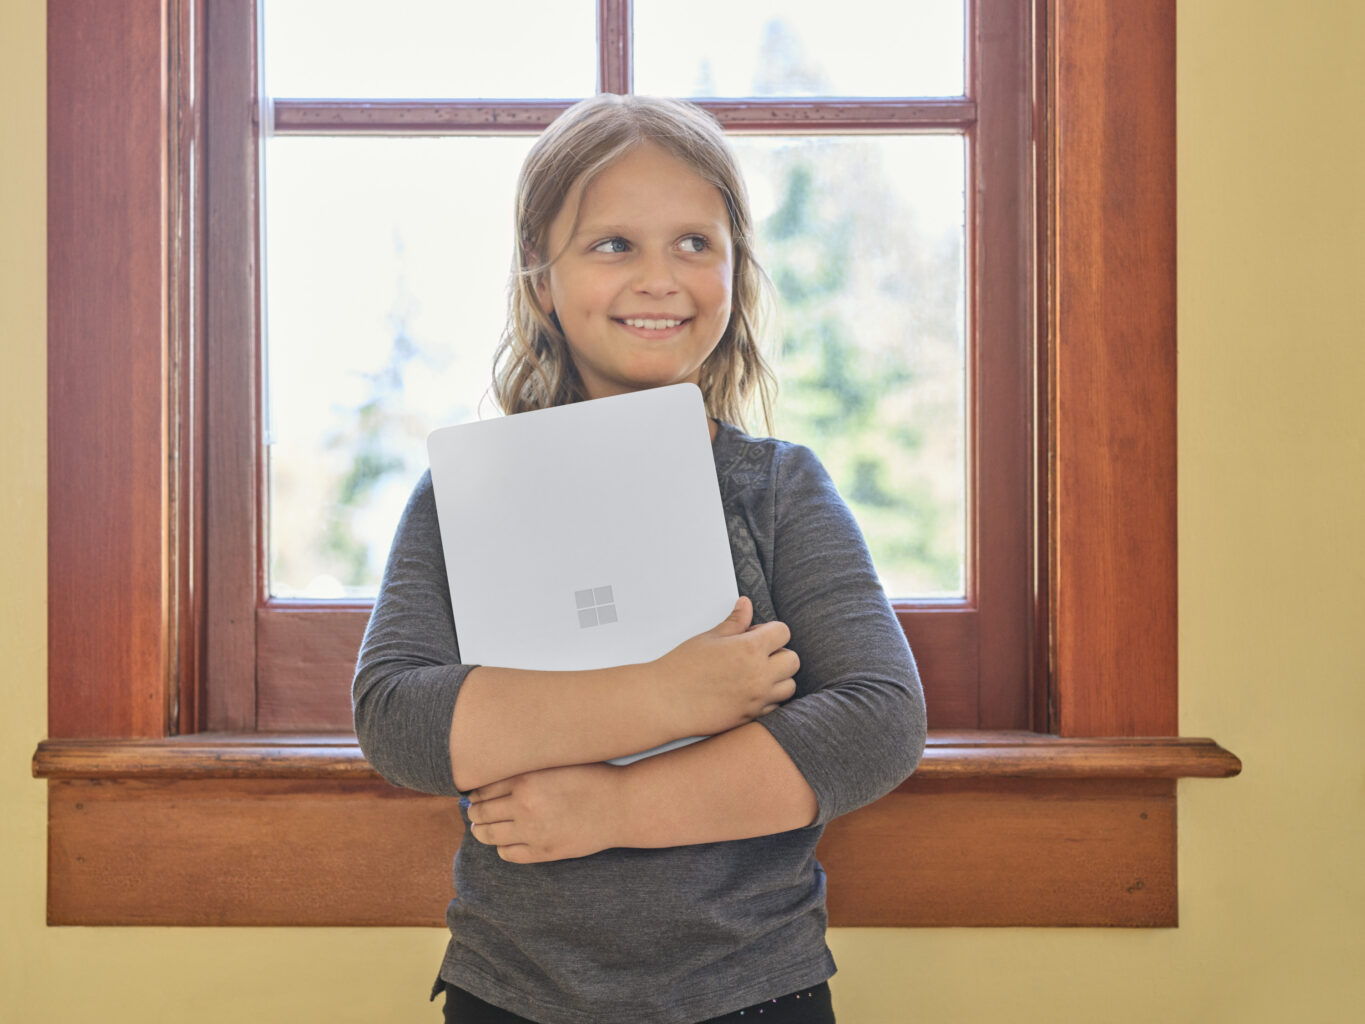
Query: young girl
[(682, 887)]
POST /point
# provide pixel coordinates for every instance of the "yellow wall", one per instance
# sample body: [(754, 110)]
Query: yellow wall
[(1272, 513)]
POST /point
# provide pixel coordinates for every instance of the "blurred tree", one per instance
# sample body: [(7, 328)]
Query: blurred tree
[(366, 438), (368, 449)]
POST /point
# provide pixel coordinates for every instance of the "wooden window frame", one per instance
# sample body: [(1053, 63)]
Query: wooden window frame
[(280, 664), (1071, 824)]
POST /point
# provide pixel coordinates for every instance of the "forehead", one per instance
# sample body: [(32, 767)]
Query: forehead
[(650, 182)]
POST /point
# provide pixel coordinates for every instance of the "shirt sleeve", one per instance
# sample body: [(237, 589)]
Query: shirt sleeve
[(856, 727), (409, 673)]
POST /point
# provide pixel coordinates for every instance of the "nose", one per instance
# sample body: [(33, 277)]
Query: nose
[(654, 274)]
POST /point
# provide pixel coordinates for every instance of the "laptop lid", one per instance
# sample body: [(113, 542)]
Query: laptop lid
[(586, 535)]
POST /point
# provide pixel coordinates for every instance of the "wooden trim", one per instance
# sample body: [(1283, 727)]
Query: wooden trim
[(869, 115), (1112, 357), (483, 117), (109, 644), (1040, 708), (948, 756), (354, 852), (306, 656), (946, 641), (262, 852), (615, 40), (232, 482), (398, 117), (1001, 398), (1026, 853), (187, 393)]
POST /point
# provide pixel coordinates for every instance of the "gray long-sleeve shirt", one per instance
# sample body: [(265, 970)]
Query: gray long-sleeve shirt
[(676, 935)]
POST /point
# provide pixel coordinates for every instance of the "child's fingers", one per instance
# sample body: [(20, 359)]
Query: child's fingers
[(498, 833), (490, 792), (487, 812), (786, 661), (783, 691), (739, 618), (774, 634)]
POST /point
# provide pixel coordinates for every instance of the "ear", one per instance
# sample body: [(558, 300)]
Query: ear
[(543, 296), (541, 282)]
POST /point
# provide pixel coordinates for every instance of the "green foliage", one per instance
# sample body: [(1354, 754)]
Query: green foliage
[(857, 308)]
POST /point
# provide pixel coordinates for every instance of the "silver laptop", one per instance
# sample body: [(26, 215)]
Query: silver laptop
[(583, 536)]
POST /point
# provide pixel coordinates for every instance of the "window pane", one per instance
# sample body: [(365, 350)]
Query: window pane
[(386, 269), (864, 239), (799, 48), (344, 49)]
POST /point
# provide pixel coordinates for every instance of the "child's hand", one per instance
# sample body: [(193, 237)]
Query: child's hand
[(727, 676), (551, 814)]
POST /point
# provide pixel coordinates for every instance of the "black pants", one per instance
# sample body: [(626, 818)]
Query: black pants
[(808, 1006)]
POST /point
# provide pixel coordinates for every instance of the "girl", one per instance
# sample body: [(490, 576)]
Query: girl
[(682, 887)]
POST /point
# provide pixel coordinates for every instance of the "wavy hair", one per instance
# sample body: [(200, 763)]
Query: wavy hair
[(532, 367)]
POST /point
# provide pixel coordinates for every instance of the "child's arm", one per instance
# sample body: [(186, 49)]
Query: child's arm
[(510, 721), (734, 786)]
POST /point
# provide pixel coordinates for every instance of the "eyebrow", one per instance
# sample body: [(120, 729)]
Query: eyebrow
[(608, 230)]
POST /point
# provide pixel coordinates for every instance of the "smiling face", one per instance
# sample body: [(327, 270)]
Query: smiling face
[(641, 273)]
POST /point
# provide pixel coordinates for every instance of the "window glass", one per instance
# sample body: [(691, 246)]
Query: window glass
[(386, 269), (863, 238), (799, 48), (341, 49)]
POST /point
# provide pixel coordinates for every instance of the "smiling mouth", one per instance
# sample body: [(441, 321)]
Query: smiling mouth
[(650, 324)]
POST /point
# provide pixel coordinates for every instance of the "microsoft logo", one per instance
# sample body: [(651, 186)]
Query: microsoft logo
[(596, 607)]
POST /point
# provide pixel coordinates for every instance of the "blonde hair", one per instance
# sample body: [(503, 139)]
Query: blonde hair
[(532, 367)]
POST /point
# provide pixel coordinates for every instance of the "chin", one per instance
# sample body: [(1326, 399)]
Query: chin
[(645, 379)]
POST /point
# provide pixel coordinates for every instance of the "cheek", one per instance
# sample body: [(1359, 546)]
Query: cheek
[(571, 293)]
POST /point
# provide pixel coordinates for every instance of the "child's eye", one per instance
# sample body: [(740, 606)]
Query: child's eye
[(611, 245), (694, 243)]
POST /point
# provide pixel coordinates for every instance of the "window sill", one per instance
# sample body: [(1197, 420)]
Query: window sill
[(955, 756), (993, 829)]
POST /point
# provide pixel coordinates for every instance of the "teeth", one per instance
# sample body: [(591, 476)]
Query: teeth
[(652, 325)]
